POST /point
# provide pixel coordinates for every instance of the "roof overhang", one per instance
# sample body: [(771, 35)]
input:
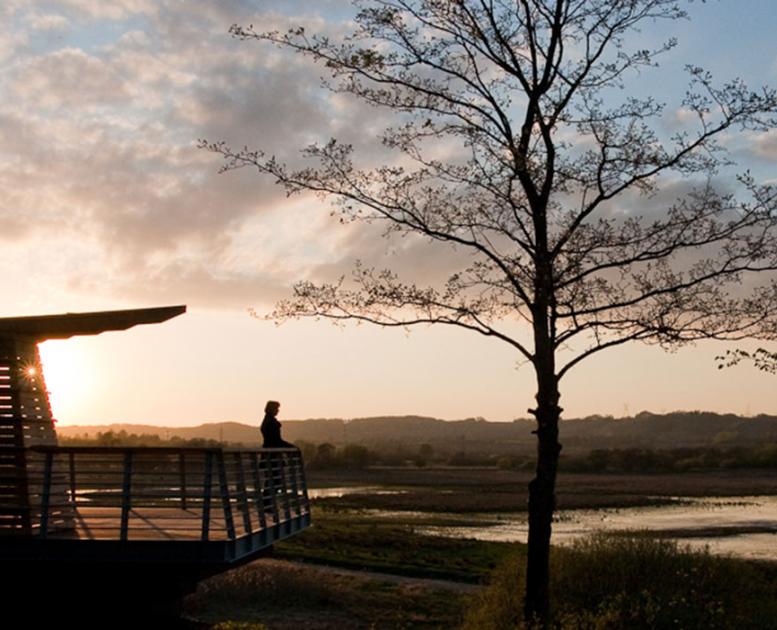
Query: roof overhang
[(66, 325)]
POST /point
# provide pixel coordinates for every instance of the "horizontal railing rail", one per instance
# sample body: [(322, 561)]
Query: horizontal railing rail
[(150, 493)]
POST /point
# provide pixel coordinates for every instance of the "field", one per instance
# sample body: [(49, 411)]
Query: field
[(287, 596), (344, 571), (490, 490)]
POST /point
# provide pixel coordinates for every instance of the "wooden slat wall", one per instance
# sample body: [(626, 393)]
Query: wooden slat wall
[(14, 496), (25, 420)]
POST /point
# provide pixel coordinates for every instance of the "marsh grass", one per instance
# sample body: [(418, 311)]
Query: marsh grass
[(359, 542), (491, 490), (608, 583)]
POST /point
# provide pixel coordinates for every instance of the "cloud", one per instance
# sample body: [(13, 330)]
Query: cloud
[(69, 78), (764, 145), (681, 119), (113, 10), (412, 258), (97, 149), (197, 285), (11, 43), (47, 21)]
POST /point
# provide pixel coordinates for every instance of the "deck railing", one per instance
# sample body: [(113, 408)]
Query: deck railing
[(139, 493)]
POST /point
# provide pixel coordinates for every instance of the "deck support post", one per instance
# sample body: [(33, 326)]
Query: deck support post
[(126, 496), (45, 504), (226, 502), (206, 496), (182, 474), (242, 493)]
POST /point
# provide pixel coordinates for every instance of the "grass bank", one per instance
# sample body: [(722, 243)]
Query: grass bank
[(277, 595)]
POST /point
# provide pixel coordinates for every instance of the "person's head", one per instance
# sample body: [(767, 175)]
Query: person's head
[(272, 407)]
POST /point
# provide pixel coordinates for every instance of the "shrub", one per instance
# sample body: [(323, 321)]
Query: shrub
[(258, 585), (607, 582)]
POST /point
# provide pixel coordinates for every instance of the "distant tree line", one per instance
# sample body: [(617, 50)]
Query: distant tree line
[(355, 456), (326, 455), (122, 438), (645, 460), (672, 460)]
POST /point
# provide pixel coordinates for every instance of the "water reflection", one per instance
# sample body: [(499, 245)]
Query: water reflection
[(336, 493), (742, 526)]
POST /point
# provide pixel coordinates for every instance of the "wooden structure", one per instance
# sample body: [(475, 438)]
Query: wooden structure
[(149, 522), (25, 412)]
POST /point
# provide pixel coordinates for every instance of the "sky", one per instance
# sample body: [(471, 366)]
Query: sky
[(108, 203)]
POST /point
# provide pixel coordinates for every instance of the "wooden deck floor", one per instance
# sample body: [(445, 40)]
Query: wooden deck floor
[(153, 523), (156, 536)]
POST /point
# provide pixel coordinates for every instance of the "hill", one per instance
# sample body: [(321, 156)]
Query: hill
[(476, 435)]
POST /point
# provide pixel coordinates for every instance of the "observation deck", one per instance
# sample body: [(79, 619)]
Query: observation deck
[(140, 524)]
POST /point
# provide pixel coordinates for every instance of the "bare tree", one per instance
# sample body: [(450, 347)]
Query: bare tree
[(551, 156)]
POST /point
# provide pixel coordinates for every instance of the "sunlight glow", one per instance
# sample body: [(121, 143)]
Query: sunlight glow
[(68, 377)]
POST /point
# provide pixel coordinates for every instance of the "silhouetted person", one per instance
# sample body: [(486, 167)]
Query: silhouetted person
[(271, 428)]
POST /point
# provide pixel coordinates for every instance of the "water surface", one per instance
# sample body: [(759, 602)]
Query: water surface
[(742, 526), (336, 493)]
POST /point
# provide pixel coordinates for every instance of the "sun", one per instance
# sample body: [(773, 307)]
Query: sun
[(66, 374)]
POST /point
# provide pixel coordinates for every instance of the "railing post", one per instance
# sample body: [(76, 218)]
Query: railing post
[(46, 495), (294, 467), (226, 504), (242, 493), (269, 484), (72, 470), (258, 490), (284, 489), (207, 484), (182, 475), (304, 484), (126, 499)]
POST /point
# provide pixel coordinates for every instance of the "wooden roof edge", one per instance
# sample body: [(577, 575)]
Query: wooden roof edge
[(66, 325)]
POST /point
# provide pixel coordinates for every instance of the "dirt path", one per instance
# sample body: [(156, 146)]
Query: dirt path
[(427, 583)]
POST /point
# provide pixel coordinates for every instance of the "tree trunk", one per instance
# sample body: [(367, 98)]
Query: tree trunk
[(542, 489)]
